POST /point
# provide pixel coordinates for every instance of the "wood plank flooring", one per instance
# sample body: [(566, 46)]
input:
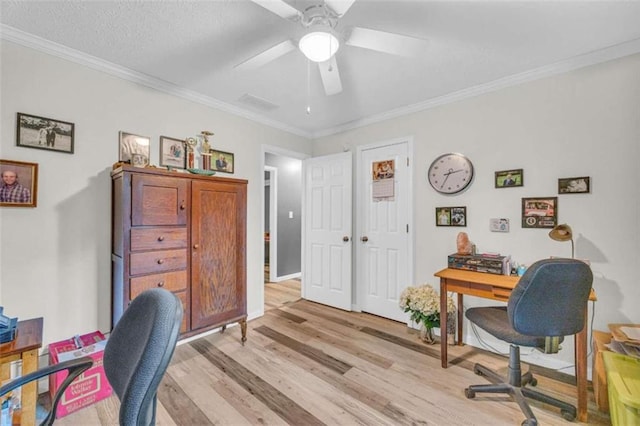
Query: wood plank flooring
[(308, 364)]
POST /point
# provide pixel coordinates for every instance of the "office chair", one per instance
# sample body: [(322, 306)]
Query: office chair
[(136, 357), (547, 304)]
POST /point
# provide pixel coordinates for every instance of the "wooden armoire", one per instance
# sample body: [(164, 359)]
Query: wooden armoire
[(185, 233)]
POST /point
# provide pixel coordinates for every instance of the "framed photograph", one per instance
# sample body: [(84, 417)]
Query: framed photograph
[(451, 216), (19, 184), (574, 185), (509, 178), (222, 161), (134, 149), (172, 153), (540, 212), (44, 133)]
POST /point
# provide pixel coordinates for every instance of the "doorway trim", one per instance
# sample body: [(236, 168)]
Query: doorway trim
[(273, 220), (273, 251), (359, 291)]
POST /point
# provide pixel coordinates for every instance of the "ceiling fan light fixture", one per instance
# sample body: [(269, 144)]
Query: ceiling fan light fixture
[(319, 46)]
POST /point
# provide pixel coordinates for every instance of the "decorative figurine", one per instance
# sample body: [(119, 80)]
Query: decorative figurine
[(206, 146), (191, 146)]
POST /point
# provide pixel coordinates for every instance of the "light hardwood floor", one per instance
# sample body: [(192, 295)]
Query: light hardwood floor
[(308, 364)]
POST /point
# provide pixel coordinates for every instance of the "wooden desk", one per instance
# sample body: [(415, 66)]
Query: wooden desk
[(499, 287), (24, 347)]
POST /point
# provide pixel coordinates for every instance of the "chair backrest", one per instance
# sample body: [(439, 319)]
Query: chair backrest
[(138, 353), (550, 298)]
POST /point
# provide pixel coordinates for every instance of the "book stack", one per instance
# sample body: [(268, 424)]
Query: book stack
[(490, 263), (626, 339)]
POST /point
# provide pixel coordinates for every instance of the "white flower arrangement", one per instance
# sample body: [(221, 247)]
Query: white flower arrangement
[(424, 304)]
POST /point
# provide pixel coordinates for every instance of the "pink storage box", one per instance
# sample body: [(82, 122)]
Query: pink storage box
[(92, 385)]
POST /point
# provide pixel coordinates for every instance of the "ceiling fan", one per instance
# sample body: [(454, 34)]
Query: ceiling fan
[(321, 40)]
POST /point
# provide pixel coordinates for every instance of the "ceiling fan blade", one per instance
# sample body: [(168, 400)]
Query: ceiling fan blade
[(279, 7), (267, 56), (340, 7), (330, 76), (381, 41)]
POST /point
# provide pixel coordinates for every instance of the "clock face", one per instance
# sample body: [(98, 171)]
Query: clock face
[(450, 173)]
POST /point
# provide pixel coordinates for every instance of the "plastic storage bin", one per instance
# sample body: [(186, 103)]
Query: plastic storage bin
[(623, 379)]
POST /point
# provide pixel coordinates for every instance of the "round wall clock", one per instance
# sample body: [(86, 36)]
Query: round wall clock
[(450, 173)]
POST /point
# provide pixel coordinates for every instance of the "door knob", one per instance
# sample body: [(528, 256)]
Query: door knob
[(364, 239), (345, 239)]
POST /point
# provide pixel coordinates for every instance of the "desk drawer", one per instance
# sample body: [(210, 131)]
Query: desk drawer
[(158, 261), (172, 281), (158, 238)]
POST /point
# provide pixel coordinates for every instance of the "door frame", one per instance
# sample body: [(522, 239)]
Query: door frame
[(273, 221), (360, 290), (275, 150)]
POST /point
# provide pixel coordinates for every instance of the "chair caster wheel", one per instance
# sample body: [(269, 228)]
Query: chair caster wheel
[(534, 382), (568, 415), (478, 372), (469, 393), (530, 422)]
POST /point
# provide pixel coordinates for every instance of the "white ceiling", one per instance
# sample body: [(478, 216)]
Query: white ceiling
[(194, 46)]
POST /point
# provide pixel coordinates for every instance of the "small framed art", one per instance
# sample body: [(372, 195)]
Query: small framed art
[(541, 212), (19, 184), (134, 149), (44, 133), (574, 185), (222, 161), (509, 178), (172, 153), (451, 216)]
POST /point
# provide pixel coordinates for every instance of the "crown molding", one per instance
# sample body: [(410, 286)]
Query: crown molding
[(38, 43), (592, 58)]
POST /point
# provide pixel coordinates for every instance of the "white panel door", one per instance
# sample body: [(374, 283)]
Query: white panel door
[(385, 261), (326, 274)]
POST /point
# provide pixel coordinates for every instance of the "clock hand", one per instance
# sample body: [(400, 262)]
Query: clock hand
[(451, 171), (446, 176)]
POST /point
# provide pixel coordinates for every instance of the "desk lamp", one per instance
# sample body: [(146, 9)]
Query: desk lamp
[(563, 233)]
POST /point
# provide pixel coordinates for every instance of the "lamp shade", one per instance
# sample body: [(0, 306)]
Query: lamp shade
[(319, 46), (561, 233)]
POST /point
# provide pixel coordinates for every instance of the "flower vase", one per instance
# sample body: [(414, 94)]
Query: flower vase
[(426, 334)]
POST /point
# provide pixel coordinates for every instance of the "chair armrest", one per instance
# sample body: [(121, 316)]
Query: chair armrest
[(75, 367)]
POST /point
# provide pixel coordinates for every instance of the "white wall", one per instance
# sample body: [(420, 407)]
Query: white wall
[(55, 259), (582, 123)]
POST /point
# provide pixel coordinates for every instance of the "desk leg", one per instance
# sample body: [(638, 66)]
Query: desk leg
[(460, 319), (29, 391), (443, 322), (581, 371)]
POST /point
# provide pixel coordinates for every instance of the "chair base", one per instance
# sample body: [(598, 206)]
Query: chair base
[(514, 385)]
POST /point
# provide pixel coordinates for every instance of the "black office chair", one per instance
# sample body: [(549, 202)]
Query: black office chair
[(547, 304), (136, 357)]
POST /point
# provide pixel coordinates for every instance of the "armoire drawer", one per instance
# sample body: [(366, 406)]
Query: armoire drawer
[(160, 238), (158, 261), (172, 281)]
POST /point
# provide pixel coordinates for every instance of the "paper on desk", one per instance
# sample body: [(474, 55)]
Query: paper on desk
[(633, 333), (623, 349)]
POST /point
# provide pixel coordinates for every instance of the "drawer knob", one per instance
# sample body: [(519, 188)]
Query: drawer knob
[(160, 261), (161, 238), (161, 284), (183, 205), (196, 246)]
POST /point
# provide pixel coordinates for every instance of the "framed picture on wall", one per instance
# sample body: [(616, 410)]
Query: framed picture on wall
[(574, 185), (451, 216), (541, 212), (172, 153), (44, 133), (19, 185), (222, 161), (509, 178)]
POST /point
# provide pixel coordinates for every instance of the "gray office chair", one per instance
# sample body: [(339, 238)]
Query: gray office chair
[(547, 304), (136, 357), (138, 353)]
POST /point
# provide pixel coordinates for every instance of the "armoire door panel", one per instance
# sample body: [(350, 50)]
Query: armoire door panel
[(158, 200)]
